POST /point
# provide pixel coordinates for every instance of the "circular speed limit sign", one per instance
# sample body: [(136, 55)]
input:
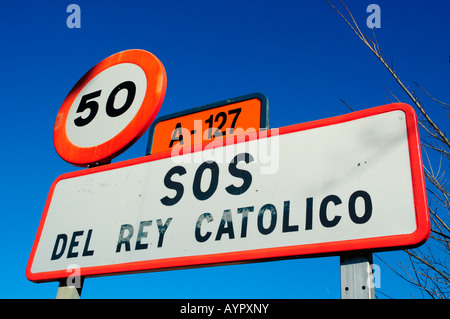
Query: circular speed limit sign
[(110, 107)]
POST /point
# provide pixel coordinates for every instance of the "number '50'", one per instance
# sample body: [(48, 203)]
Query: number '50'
[(87, 103)]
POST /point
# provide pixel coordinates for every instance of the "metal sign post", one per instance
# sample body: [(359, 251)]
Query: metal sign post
[(357, 277), (66, 291)]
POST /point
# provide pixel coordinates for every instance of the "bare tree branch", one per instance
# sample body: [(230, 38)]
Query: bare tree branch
[(428, 270), (373, 47), (346, 105)]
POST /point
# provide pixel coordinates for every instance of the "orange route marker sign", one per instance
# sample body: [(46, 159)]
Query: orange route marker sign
[(244, 114)]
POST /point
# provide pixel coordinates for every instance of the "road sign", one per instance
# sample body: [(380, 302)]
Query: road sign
[(110, 107), (240, 115), (348, 183)]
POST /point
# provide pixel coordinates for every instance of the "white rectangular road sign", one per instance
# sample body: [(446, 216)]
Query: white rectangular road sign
[(351, 182)]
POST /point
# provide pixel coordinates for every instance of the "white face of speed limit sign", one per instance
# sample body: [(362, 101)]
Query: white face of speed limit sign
[(105, 106), (110, 107)]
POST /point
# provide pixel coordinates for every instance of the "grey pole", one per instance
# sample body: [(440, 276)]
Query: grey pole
[(357, 280), (70, 291)]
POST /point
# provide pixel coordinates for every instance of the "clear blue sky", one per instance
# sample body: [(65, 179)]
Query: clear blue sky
[(298, 53)]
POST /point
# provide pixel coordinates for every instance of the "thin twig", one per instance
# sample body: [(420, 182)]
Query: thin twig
[(347, 105), (431, 97), (355, 28)]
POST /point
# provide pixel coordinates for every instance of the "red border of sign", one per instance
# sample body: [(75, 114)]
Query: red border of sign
[(418, 237), (154, 96)]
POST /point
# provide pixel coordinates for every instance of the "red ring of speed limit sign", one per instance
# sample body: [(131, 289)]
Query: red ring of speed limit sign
[(110, 108)]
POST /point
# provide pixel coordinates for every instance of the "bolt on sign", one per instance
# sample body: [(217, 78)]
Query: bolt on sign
[(347, 183), (203, 124)]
